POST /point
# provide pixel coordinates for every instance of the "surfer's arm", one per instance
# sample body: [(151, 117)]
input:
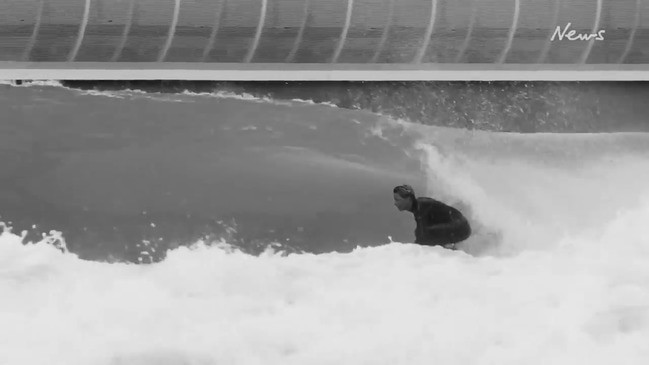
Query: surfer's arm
[(439, 227), (457, 221)]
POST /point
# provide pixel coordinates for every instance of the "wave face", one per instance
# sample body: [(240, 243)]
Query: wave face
[(524, 107), (124, 173), (252, 210), (130, 173)]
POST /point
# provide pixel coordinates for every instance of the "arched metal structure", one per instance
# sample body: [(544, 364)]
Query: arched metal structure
[(469, 32), (634, 29), (322, 32), (512, 32), (125, 31), (218, 18), (37, 26), (343, 35), (82, 31), (591, 42), (428, 34), (260, 28), (555, 21), (385, 33), (300, 34), (171, 33)]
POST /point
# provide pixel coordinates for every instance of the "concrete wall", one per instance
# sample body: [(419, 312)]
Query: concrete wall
[(316, 31)]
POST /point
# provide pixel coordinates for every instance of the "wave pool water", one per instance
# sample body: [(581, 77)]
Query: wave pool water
[(269, 223)]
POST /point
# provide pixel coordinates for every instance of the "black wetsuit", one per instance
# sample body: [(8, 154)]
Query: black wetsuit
[(438, 223)]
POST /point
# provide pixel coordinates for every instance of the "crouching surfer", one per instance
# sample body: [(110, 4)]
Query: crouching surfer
[(437, 223)]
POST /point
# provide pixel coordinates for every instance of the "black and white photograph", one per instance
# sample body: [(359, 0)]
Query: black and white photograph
[(153, 218), (320, 223)]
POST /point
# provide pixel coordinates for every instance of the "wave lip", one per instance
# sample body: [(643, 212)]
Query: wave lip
[(521, 107)]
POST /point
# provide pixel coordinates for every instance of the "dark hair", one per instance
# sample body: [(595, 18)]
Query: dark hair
[(404, 191)]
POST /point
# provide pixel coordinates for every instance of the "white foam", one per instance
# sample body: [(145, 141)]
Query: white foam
[(534, 190), (239, 96), (30, 83), (385, 305), (160, 96), (311, 102)]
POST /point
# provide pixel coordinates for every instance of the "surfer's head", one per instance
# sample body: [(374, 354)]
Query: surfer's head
[(404, 196)]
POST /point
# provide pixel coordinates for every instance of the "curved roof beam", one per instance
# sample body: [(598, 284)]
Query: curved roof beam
[(82, 32), (215, 30), (636, 24), (37, 27), (469, 32), (300, 34), (386, 33), (591, 42), (172, 32), (512, 32), (343, 34), (429, 32), (125, 32), (555, 21), (260, 28)]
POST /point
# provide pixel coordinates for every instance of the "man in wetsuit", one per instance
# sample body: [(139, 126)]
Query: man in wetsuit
[(437, 223)]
